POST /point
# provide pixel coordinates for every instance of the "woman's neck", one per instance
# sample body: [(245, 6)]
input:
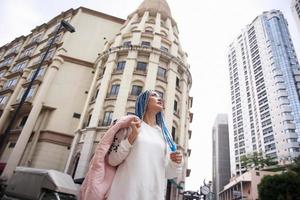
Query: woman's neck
[(150, 118)]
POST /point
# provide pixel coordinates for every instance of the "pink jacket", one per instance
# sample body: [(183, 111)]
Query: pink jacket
[(100, 175)]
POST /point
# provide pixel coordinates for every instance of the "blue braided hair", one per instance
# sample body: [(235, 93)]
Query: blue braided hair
[(140, 109)]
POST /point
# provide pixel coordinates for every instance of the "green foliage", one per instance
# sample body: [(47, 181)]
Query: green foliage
[(256, 161), (285, 186)]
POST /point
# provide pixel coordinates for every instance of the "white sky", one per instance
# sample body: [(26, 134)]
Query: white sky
[(206, 29)]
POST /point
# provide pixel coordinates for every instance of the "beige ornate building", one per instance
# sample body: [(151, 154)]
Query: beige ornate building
[(90, 78)]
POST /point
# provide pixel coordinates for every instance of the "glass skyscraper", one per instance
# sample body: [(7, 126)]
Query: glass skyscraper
[(265, 87)]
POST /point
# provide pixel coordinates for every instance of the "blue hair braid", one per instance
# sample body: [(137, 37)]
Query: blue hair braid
[(140, 109)]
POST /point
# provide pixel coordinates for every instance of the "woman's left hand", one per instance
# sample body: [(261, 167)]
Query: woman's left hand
[(176, 157)]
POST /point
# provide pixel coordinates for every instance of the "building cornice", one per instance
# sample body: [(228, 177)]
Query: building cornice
[(77, 61)]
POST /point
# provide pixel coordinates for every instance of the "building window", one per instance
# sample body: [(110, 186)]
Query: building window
[(27, 52), (161, 72), (127, 44), (102, 73), (141, 66), (23, 122), (29, 95), (2, 73), (173, 132), (48, 57), (145, 44), (175, 106), (121, 65), (3, 99), (136, 90), (36, 38), (10, 83), (19, 67), (11, 145), (107, 118), (177, 82), (114, 90), (89, 119), (96, 95), (40, 74), (57, 39), (165, 49)]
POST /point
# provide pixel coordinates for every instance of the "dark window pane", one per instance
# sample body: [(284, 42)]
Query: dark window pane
[(136, 90), (23, 121), (177, 82), (146, 44), (107, 118), (127, 44), (164, 49), (175, 106), (114, 90), (173, 132), (161, 72), (121, 66), (141, 66)]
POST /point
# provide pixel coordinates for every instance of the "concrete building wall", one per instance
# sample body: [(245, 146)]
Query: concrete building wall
[(58, 94)]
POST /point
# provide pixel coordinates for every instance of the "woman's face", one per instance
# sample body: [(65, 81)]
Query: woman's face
[(155, 102)]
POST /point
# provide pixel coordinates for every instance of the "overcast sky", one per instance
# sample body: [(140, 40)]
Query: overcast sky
[(206, 29)]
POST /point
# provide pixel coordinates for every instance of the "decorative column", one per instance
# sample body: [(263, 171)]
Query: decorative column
[(136, 35), (170, 94), (183, 110), (171, 37), (90, 133), (125, 85), (27, 159), (38, 103), (157, 35), (13, 98), (83, 116), (152, 72), (126, 29)]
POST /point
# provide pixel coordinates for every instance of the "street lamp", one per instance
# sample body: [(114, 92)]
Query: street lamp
[(68, 27)]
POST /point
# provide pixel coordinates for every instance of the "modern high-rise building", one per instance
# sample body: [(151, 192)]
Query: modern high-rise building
[(221, 154), (265, 87), (296, 12), (90, 78)]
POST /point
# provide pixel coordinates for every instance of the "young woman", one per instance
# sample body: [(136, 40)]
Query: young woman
[(147, 157)]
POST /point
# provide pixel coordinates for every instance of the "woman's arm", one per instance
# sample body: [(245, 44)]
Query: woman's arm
[(173, 169), (118, 152)]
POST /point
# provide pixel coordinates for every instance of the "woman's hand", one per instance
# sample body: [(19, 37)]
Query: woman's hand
[(135, 126), (176, 157)]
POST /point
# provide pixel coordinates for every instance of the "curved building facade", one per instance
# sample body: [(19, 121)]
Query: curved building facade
[(145, 54)]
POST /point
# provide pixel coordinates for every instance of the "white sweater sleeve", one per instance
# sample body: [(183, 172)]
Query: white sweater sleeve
[(119, 152)]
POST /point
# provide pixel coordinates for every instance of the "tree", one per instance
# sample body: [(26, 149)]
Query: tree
[(256, 161), (285, 186)]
